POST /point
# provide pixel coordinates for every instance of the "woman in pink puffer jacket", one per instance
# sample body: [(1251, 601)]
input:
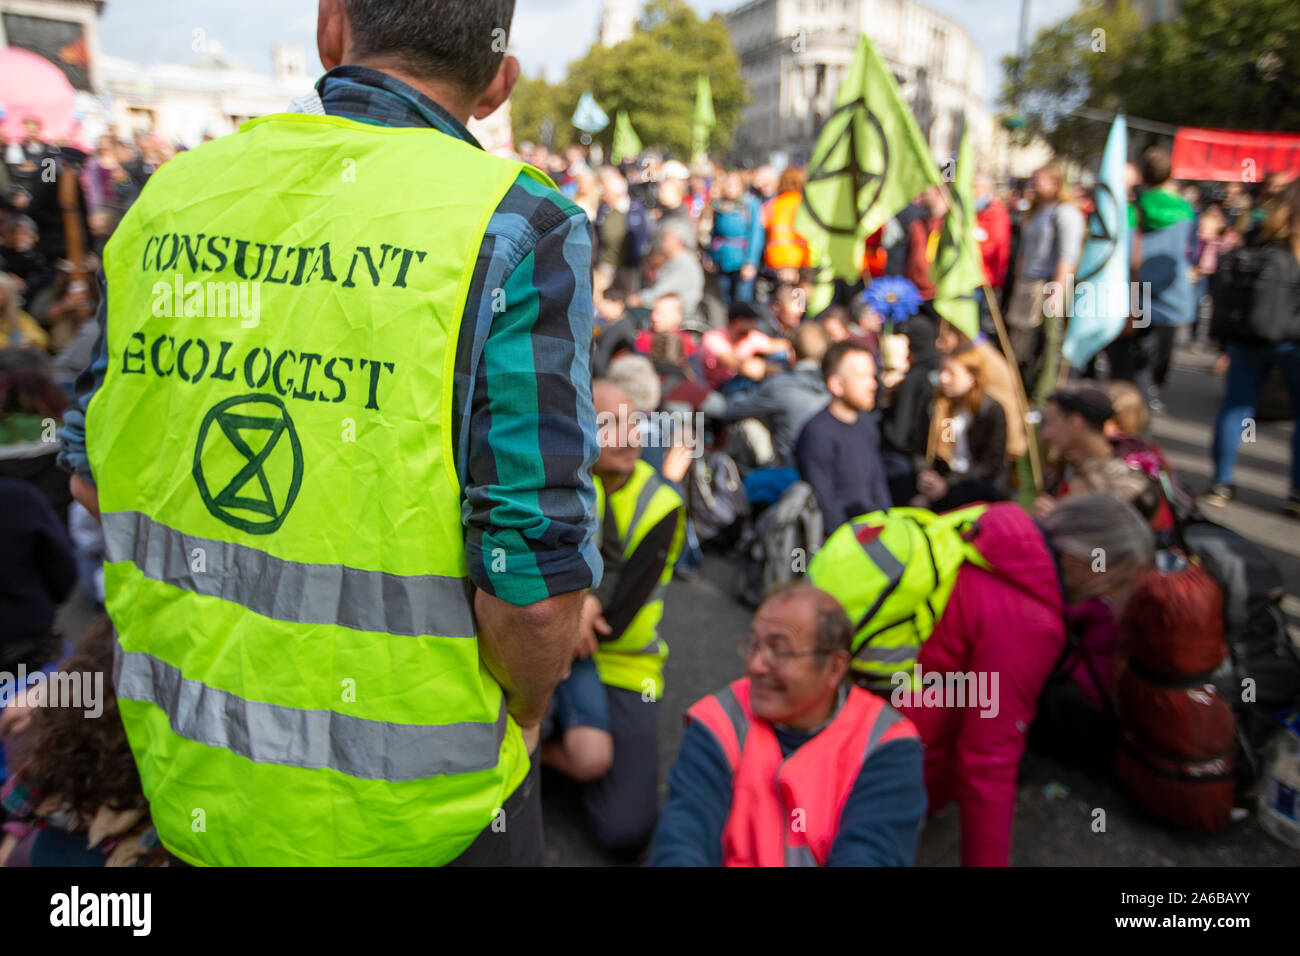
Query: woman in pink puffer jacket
[(1006, 627)]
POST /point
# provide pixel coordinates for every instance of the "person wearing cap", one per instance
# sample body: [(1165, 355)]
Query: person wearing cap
[(1074, 433)]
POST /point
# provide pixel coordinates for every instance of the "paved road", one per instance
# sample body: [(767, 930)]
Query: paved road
[(1054, 811)]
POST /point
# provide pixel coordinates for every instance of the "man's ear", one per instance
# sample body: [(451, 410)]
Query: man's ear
[(331, 32), (839, 668), (499, 89)]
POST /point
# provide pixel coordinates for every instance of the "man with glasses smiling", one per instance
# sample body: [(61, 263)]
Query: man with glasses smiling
[(761, 778)]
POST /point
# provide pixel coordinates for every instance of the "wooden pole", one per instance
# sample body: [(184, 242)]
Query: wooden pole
[(1022, 398)]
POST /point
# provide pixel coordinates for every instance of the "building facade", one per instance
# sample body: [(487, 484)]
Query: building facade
[(617, 21), (794, 54)]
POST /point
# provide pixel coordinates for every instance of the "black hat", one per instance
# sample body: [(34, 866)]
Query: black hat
[(1092, 403)]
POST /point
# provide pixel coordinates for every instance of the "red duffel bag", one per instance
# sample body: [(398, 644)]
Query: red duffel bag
[(1177, 754)]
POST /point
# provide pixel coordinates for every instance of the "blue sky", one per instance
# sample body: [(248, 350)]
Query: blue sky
[(547, 34)]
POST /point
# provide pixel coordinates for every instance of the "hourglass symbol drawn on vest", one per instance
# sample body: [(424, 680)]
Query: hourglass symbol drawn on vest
[(252, 458)]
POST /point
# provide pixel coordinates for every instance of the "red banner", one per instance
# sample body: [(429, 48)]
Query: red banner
[(1234, 155)]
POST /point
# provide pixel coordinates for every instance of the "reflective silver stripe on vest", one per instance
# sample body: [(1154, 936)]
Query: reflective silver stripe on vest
[(884, 720), (893, 568), (870, 654), (408, 605), (643, 499), (799, 856), (731, 707), (312, 739)]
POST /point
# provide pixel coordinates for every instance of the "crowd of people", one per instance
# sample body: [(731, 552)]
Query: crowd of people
[(722, 397)]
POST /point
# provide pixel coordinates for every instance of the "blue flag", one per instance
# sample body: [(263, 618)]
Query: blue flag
[(1101, 283), (589, 117)]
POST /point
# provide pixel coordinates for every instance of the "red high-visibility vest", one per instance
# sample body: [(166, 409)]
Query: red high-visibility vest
[(786, 812)]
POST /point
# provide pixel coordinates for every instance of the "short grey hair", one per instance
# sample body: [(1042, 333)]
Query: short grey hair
[(1083, 524), (457, 41), (635, 374)]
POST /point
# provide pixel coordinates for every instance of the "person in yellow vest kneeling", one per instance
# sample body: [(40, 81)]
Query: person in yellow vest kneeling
[(602, 726), (847, 767)]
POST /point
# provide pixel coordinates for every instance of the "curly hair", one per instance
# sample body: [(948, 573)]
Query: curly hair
[(85, 761)]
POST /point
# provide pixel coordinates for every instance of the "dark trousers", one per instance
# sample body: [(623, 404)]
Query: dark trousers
[(1143, 358), (517, 839), (622, 807)]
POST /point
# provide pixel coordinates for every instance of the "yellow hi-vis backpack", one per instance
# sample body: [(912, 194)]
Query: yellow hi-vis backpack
[(893, 572)]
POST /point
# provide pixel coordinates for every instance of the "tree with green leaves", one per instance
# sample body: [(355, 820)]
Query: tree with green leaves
[(1220, 63), (652, 76)]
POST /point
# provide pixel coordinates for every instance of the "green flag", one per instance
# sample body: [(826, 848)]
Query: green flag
[(702, 120), (626, 143), (958, 269), (869, 163)]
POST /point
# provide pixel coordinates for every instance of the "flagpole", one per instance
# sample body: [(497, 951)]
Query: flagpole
[(1004, 340), (1022, 397)]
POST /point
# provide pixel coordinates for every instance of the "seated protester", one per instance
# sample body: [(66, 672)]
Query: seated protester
[(786, 312), (1074, 432), (998, 383), (729, 353), (783, 402), (972, 438), (680, 271), (792, 736), (905, 408), (666, 318), (621, 336), (1126, 432), (17, 328), (76, 800), (1006, 621), (668, 355), (599, 730), (838, 449), (20, 257), (38, 569), (31, 406)]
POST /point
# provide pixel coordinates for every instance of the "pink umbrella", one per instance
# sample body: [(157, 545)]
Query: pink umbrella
[(31, 85)]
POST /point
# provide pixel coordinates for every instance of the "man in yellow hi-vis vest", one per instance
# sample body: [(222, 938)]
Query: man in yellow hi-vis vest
[(603, 719), (339, 432)]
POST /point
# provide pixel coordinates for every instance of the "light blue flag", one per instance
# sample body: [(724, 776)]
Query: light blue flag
[(589, 117), (1101, 284)]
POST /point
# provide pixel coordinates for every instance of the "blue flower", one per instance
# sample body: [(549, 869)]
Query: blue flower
[(895, 298)]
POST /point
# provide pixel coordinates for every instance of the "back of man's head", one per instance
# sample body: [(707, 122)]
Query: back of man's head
[(1156, 166), (810, 341), (450, 41)]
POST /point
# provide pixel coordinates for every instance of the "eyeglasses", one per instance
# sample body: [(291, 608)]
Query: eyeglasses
[(748, 647)]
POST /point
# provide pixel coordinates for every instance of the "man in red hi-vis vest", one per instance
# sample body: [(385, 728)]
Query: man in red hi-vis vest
[(791, 766)]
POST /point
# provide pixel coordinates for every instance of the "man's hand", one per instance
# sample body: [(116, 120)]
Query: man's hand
[(677, 461), (754, 368), (85, 494), (528, 649), (1044, 505), (591, 624), (747, 273)]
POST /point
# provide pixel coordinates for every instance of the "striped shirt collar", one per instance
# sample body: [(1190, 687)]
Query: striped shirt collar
[(372, 96)]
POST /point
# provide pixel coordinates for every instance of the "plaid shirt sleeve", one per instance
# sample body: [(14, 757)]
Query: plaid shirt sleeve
[(527, 443)]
